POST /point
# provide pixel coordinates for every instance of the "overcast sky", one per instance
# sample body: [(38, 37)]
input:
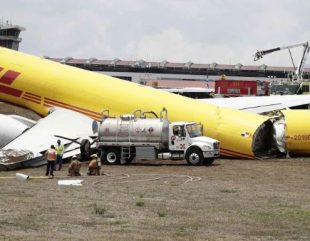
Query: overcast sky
[(201, 31)]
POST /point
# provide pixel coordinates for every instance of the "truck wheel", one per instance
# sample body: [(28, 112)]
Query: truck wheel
[(194, 156), (85, 149), (208, 161), (112, 156)]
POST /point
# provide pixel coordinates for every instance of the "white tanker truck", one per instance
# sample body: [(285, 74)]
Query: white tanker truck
[(138, 136)]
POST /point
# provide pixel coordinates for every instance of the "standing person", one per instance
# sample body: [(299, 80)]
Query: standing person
[(74, 167), (60, 151), (50, 156)]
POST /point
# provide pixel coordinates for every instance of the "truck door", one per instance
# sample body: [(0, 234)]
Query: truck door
[(177, 140)]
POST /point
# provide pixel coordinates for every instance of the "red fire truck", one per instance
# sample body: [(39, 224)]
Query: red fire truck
[(230, 88)]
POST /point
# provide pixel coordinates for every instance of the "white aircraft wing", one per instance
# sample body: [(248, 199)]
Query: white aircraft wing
[(12, 126), (70, 125), (261, 104)]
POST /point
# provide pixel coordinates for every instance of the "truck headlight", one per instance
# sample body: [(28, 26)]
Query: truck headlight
[(206, 148)]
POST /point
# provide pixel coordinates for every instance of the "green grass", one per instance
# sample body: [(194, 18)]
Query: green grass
[(161, 214), (99, 210), (229, 190), (283, 216), (140, 203)]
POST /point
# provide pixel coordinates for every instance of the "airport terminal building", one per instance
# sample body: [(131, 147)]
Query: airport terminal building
[(170, 74)]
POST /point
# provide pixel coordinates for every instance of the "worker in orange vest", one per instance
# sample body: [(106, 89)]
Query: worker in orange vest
[(50, 156)]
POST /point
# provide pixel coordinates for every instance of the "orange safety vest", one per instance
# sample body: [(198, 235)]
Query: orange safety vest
[(51, 155)]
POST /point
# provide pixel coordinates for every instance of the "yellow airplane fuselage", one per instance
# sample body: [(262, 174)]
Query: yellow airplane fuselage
[(39, 84), (297, 131)]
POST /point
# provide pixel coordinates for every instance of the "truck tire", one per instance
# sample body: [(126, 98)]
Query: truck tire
[(194, 156), (85, 149), (112, 156), (208, 161)]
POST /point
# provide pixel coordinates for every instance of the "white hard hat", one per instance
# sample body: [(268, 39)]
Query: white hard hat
[(94, 156)]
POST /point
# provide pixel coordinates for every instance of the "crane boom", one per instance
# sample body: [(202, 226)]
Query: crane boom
[(299, 70)]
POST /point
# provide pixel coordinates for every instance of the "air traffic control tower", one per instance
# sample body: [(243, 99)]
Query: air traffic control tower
[(9, 35)]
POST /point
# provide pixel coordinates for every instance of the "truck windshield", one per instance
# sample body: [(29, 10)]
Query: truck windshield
[(193, 130)]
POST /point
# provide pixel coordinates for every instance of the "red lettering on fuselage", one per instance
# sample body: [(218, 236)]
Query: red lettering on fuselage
[(9, 77)]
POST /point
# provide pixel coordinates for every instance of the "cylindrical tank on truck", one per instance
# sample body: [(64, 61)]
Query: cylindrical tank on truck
[(124, 129)]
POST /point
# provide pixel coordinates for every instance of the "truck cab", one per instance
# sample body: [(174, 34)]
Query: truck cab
[(187, 139)]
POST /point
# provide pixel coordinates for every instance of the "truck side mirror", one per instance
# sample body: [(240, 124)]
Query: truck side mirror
[(200, 127), (95, 127)]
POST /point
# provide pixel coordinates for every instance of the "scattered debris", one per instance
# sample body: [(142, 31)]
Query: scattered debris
[(12, 156), (23, 177), (70, 182)]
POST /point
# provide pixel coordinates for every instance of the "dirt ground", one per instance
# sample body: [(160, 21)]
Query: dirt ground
[(162, 200), (230, 200)]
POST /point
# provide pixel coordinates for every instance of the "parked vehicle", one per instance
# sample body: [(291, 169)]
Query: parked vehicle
[(233, 88), (139, 136)]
